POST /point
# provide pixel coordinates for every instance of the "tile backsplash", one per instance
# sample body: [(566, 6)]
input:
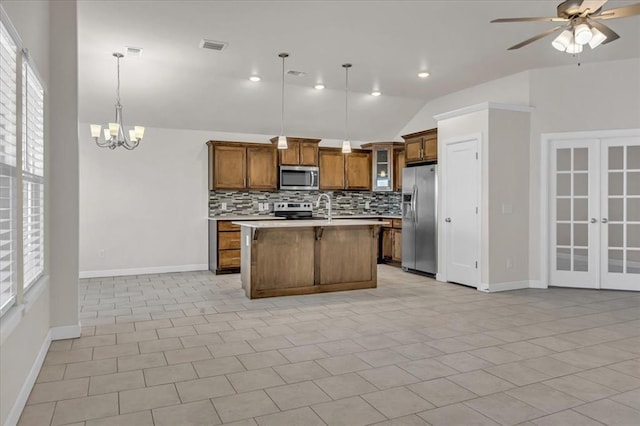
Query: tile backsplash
[(342, 202)]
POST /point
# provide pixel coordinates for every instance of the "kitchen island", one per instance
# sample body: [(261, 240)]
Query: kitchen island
[(287, 257)]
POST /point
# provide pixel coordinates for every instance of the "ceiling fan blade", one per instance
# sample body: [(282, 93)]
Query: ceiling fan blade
[(620, 12), (536, 38), (611, 35), (592, 5), (538, 19)]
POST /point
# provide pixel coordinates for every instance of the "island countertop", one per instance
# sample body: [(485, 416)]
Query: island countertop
[(258, 224)]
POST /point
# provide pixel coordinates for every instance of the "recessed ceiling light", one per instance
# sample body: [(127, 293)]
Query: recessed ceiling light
[(319, 86), (423, 74), (134, 51), (255, 78), (376, 93)]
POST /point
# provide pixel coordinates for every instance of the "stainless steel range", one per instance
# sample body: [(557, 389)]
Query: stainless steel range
[(293, 210)]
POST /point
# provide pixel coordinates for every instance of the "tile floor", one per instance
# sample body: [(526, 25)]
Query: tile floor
[(190, 349)]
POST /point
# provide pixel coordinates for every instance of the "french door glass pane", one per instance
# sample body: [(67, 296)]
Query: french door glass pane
[(616, 181), (616, 157), (615, 260), (633, 157), (633, 261), (633, 209)]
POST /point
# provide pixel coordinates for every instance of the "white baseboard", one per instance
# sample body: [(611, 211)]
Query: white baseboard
[(27, 385), (537, 284), (65, 332), (55, 333), (441, 277), (144, 271), (514, 285)]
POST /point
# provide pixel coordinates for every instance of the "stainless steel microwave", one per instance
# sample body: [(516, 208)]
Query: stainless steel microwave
[(299, 178)]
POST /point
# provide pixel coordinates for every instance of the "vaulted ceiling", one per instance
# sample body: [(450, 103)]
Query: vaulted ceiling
[(175, 84)]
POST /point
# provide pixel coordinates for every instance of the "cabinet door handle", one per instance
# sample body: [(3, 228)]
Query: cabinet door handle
[(593, 220), (604, 220)]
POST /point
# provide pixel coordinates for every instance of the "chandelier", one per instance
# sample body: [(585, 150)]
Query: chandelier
[(114, 135)]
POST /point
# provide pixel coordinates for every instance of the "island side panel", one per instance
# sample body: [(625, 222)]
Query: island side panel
[(246, 235), (347, 255), (282, 260)]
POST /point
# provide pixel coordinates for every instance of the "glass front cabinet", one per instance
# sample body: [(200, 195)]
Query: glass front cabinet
[(387, 163)]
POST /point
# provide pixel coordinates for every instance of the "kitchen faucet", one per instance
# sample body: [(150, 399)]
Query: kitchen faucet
[(328, 203)]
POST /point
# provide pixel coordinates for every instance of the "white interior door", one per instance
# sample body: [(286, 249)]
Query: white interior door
[(461, 227), (620, 221), (574, 213)]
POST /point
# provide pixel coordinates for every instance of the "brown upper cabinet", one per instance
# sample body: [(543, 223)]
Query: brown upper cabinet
[(234, 165), (300, 152), (421, 146), (344, 171), (387, 168)]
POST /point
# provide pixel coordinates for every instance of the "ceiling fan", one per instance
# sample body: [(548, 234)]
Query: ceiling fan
[(581, 26)]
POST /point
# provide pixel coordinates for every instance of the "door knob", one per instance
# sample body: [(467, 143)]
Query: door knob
[(604, 220), (593, 220), (448, 219)]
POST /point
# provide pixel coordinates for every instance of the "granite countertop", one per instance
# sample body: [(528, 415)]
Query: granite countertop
[(271, 217), (246, 217), (306, 223)]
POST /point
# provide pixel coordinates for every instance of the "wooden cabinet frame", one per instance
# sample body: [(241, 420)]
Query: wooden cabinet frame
[(421, 147), (396, 163), (242, 165), (300, 152), (340, 171)]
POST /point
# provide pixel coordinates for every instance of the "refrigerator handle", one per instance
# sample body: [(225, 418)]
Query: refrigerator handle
[(414, 205)]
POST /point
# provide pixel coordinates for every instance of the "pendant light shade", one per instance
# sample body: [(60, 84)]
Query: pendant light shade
[(282, 139), (597, 39), (582, 34), (346, 144)]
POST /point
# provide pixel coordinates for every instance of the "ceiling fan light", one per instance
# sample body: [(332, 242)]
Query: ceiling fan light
[(597, 39), (562, 41), (574, 48), (582, 34), (346, 147)]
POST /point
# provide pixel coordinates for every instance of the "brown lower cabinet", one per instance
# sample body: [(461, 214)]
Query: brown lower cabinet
[(391, 241), (227, 246)]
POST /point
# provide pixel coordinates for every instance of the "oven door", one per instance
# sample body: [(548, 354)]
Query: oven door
[(298, 178)]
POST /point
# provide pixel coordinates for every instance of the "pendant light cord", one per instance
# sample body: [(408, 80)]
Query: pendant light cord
[(346, 105), (282, 111)]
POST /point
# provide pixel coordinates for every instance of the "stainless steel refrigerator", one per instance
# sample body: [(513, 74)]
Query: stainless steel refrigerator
[(419, 219)]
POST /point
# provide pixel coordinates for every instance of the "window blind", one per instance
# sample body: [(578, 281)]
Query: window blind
[(32, 176), (8, 177)]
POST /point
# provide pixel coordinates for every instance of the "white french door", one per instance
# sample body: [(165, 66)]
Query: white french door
[(595, 213)]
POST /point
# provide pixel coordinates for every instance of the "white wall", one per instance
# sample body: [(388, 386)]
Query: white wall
[(513, 89), (598, 96), (48, 30)]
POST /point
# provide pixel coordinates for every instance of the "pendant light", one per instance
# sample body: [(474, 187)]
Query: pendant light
[(346, 144), (282, 139)]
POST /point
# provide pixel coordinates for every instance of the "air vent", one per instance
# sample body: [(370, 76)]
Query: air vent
[(296, 73), (212, 44), (134, 51)]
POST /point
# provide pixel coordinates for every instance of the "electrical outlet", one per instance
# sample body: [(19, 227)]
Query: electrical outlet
[(367, 205), (509, 263), (223, 206), (102, 253)]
